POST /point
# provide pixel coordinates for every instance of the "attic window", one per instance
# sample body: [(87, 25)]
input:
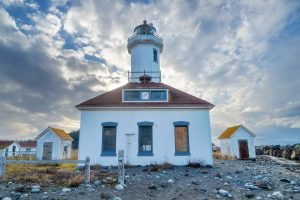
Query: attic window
[(151, 95)]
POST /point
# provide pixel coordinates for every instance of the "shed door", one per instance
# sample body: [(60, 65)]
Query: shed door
[(47, 150), (243, 147)]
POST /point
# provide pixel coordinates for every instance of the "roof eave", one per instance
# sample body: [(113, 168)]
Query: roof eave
[(143, 107)]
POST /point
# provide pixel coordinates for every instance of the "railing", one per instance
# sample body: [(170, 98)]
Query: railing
[(144, 34), (8, 154), (132, 76)]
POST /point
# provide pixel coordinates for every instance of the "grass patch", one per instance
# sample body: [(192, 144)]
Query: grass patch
[(220, 156), (158, 167), (45, 175)]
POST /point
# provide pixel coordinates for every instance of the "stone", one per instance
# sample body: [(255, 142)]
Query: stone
[(250, 186), (226, 184), (87, 185), (170, 181), (230, 196), (6, 198), (258, 198), (35, 187), (119, 187), (219, 175), (157, 176), (35, 190), (263, 185), (249, 195), (66, 190), (97, 183), (223, 193), (258, 177), (269, 196), (293, 183), (277, 195), (152, 187), (117, 198), (106, 195), (285, 180), (195, 182)]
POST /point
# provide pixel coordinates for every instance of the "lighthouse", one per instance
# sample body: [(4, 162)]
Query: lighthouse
[(150, 121), (145, 48)]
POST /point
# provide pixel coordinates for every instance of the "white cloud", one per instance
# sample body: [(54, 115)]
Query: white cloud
[(219, 51)]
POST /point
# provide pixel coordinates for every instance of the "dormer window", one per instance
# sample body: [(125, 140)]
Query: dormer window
[(145, 95)]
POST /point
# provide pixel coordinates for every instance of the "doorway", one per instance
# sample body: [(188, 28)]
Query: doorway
[(243, 147), (47, 150)]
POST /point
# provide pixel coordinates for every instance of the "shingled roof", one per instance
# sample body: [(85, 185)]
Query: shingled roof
[(59, 132), (231, 130), (113, 98), (5, 143), (27, 144)]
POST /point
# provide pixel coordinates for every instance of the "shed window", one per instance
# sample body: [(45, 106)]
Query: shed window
[(181, 139), (28, 149), (109, 139), (154, 55), (145, 140)]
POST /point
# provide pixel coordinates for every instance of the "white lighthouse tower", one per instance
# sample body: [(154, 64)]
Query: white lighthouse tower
[(145, 47)]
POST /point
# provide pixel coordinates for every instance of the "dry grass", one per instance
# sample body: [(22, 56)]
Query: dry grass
[(22, 157), (74, 154), (45, 175), (158, 167), (220, 156)]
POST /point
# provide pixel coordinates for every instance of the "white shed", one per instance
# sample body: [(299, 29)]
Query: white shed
[(238, 141), (53, 144)]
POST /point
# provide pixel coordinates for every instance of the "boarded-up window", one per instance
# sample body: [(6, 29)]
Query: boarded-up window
[(181, 138), (109, 139), (145, 139)]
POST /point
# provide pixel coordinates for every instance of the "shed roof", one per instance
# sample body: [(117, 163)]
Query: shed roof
[(231, 130), (61, 134), (5, 143), (27, 144), (177, 98)]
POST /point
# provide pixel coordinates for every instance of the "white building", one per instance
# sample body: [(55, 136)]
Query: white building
[(17, 148), (54, 144), (151, 121), (238, 141)]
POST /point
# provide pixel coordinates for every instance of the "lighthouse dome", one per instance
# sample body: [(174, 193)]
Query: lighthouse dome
[(145, 28)]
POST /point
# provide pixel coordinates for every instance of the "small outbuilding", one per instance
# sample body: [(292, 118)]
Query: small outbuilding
[(238, 141), (53, 144)]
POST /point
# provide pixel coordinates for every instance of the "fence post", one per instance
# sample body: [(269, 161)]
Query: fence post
[(121, 167), (2, 165), (87, 176)]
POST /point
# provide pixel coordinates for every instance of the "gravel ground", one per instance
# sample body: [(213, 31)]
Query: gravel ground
[(228, 179)]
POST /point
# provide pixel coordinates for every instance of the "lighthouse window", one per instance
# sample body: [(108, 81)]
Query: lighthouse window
[(145, 139), (132, 95), (145, 95), (154, 55), (181, 138), (158, 95), (109, 132)]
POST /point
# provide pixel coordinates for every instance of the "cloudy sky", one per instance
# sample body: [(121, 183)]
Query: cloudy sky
[(243, 56)]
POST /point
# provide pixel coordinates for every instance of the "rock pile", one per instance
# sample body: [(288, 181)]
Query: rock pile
[(291, 152)]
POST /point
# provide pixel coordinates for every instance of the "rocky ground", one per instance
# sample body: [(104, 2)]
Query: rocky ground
[(228, 179)]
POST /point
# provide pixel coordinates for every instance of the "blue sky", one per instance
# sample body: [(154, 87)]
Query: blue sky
[(243, 56)]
